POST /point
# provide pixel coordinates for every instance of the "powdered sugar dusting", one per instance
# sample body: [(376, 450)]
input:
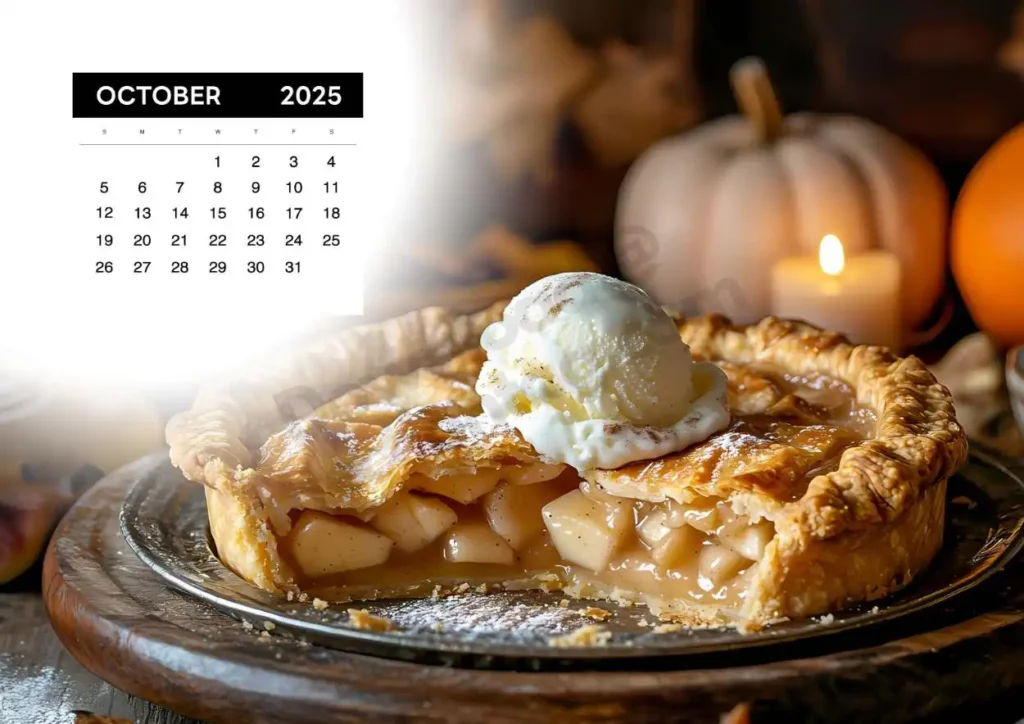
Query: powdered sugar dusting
[(733, 442), (487, 613), (473, 428)]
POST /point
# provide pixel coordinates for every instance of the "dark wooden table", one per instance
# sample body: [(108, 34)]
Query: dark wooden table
[(41, 683)]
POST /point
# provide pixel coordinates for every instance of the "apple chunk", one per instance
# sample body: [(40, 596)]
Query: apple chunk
[(654, 528), (585, 531), (461, 488), (323, 544), (747, 540), (719, 564), (706, 520), (678, 548), (514, 511), (532, 474), (475, 542), (669, 546), (413, 521)]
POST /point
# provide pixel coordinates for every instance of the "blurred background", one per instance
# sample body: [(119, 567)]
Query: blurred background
[(622, 136)]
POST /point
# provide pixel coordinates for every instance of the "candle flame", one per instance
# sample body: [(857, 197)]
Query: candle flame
[(831, 256)]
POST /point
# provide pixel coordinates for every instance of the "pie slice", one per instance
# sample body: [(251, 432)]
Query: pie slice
[(828, 487)]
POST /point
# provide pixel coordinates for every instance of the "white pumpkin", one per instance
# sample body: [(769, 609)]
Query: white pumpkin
[(703, 216)]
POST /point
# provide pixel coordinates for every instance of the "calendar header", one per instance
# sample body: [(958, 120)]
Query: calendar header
[(218, 95)]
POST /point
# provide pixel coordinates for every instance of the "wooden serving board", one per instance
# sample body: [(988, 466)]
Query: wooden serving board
[(125, 625)]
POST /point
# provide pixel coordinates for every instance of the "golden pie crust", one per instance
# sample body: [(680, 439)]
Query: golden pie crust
[(347, 422)]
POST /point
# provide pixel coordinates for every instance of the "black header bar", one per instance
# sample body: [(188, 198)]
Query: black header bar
[(218, 95)]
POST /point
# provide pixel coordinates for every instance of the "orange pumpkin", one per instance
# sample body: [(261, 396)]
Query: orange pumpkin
[(988, 240)]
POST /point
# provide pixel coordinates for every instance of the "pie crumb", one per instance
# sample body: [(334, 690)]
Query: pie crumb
[(599, 614), (695, 621), (264, 635), (965, 501), (589, 635), (564, 603), (269, 625), (623, 598), (319, 604), (303, 597), (827, 619), (363, 620), (290, 595), (437, 627), (482, 588), (247, 626), (663, 628), (462, 587), (739, 714), (643, 623), (436, 593), (874, 610)]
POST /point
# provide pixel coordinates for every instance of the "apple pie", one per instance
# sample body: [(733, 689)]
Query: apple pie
[(364, 467)]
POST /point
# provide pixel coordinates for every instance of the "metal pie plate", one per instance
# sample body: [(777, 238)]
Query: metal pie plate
[(163, 519)]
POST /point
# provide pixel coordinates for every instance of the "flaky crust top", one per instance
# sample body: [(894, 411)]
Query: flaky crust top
[(917, 440), (229, 420)]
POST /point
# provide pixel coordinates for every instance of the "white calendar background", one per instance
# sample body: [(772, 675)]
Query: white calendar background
[(166, 326), (263, 211)]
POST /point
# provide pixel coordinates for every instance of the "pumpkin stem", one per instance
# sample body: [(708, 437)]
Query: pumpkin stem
[(756, 97)]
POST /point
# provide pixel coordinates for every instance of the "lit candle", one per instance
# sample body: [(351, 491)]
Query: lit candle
[(858, 296)]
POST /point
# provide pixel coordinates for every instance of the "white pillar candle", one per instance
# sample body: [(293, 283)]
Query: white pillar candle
[(858, 296)]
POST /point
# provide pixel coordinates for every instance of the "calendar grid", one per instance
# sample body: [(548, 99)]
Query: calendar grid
[(255, 223), (251, 204)]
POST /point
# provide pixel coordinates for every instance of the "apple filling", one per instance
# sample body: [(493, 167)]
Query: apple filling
[(661, 532), (536, 527)]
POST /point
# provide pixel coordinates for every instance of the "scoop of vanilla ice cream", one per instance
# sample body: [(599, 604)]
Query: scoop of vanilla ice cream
[(594, 374)]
